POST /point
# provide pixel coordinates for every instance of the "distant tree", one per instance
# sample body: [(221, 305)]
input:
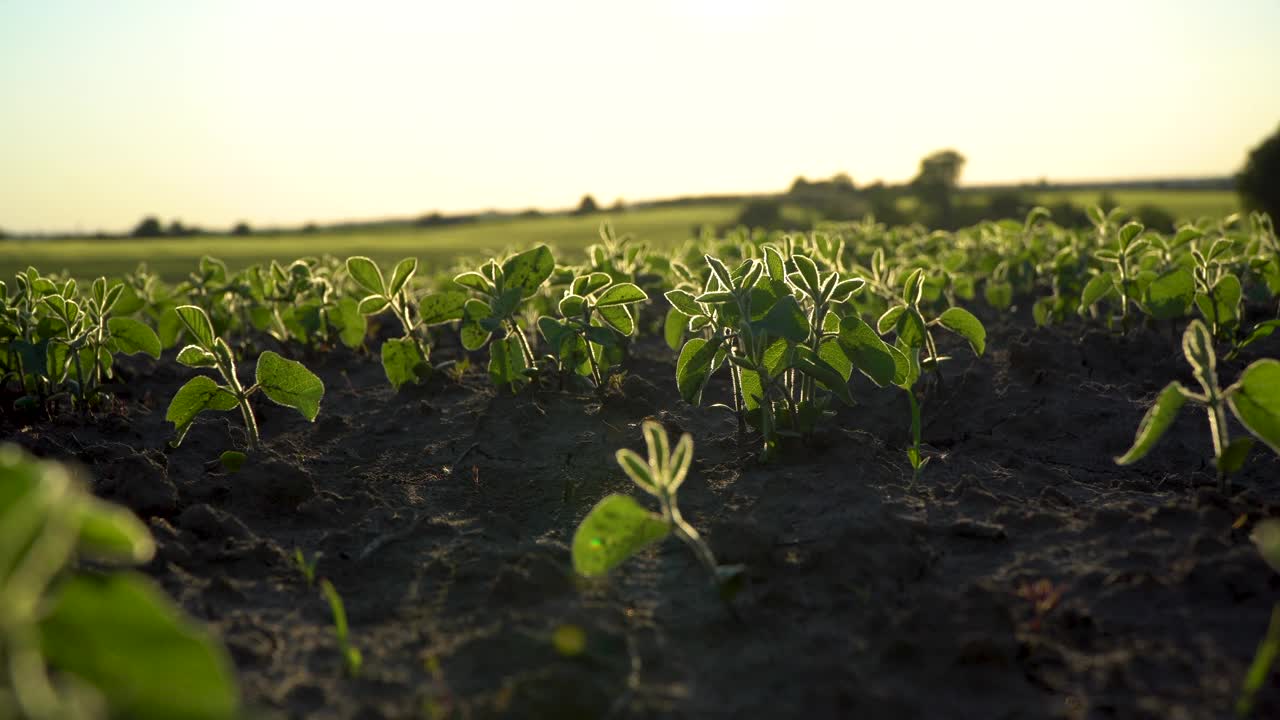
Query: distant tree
[(761, 214), (1259, 182), (3, 235), (531, 213), (309, 228), (177, 229), (799, 186), (148, 228), (883, 202), (619, 205), (587, 206), (935, 186), (241, 228), (842, 182)]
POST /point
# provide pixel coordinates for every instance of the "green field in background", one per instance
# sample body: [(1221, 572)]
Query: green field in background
[(435, 247), (1182, 204), (438, 247)]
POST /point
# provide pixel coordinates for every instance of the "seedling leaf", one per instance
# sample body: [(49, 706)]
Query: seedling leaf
[(197, 323), (868, 352), (400, 361), (621, 294), (963, 323), (132, 336), (1155, 422), (693, 367), (615, 529), (122, 635), (442, 307), (1255, 400), (528, 270), (199, 394), (366, 274), (290, 383), (112, 534)]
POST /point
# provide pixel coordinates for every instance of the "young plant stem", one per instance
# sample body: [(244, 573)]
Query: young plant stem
[(916, 463), (1218, 426)]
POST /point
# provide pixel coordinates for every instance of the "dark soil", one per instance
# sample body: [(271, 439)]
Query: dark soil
[(444, 515)]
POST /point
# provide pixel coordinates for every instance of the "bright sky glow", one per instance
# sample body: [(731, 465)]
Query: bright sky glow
[(284, 112)]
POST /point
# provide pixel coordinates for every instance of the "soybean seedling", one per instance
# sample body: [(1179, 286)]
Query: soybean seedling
[(103, 644), (1254, 399), (1267, 537), (500, 292), (285, 382), (914, 336), (305, 566), (351, 657), (404, 359), (595, 317), (618, 527)]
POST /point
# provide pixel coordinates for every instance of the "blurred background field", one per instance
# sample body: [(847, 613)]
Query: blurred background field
[(438, 247)]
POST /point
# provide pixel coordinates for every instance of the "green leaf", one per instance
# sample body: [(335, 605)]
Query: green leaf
[(197, 323), (1266, 535), (132, 336), (366, 274), (474, 281), (832, 354), (808, 271), (572, 305), (401, 361), (1255, 400), (693, 367), (1197, 346), (619, 316), (774, 263), (528, 270), (1155, 422), (506, 362), (638, 470), (998, 294), (906, 367), (1224, 307), (869, 353), (1233, 457), (615, 529), (684, 302), (587, 284), (1094, 290), (890, 318), (401, 274), (232, 460), (473, 335), (372, 305), (963, 323), (673, 328), (910, 328), (196, 356), (1170, 295), (787, 320), (123, 636), (442, 307), (199, 394), (621, 294), (351, 322), (808, 362), (289, 383), (110, 533)]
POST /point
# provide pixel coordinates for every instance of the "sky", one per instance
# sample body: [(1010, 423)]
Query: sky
[(282, 112)]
